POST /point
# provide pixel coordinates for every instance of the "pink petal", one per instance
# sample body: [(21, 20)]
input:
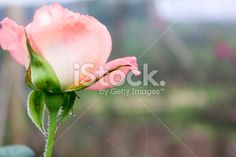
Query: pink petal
[(13, 39), (49, 14), (122, 66), (65, 38)]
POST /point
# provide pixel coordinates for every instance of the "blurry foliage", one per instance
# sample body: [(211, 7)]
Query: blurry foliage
[(16, 150)]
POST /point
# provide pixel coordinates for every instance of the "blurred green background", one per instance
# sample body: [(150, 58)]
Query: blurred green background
[(191, 43)]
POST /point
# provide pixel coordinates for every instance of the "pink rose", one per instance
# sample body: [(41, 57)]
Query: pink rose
[(64, 38)]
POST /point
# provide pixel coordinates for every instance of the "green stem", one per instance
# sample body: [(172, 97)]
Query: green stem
[(52, 125)]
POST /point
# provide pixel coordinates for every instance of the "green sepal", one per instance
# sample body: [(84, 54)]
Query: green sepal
[(54, 101), (40, 75), (36, 109), (28, 80), (67, 106)]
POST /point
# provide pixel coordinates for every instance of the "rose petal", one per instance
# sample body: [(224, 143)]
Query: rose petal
[(13, 39), (120, 68), (78, 39), (49, 14)]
